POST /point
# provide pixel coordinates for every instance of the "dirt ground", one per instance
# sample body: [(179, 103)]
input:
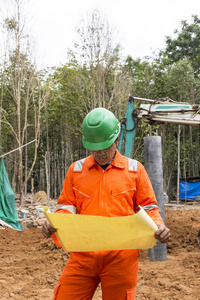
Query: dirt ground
[(31, 265)]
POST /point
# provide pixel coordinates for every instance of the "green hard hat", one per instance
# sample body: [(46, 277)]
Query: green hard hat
[(100, 129)]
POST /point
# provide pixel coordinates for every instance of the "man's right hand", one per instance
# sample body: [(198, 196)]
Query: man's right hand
[(47, 229)]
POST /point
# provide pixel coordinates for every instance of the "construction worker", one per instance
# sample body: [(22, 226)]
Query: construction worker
[(104, 184)]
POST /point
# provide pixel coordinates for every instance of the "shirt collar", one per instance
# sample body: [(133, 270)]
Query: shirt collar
[(117, 161)]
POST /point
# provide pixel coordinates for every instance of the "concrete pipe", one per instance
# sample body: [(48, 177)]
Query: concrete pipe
[(153, 166)]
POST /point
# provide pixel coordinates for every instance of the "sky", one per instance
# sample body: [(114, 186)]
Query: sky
[(142, 25)]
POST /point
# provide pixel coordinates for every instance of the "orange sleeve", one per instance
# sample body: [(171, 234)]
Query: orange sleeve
[(155, 215), (67, 196), (145, 195)]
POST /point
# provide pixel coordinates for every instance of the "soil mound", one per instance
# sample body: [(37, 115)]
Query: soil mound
[(31, 265)]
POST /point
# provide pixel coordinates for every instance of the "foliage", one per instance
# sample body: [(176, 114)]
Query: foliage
[(94, 75), (186, 44)]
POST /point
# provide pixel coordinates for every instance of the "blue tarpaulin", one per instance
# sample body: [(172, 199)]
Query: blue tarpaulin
[(189, 190)]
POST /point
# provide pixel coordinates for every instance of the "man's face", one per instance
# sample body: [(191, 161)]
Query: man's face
[(103, 157)]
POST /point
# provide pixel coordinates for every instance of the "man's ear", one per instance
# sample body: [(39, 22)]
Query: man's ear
[(117, 141)]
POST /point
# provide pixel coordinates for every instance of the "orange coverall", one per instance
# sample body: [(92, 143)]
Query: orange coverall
[(117, 191)]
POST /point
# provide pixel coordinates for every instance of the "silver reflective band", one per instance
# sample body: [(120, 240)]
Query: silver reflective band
[(132, 164), (80, 192), (79, 165), (148, 207), (70, 208)]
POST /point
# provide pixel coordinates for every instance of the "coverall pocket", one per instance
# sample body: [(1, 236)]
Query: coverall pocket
[(83, 200), (122, 200), (131, 294), (56, 290)]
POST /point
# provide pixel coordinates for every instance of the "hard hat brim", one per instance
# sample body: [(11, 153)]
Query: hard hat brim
[(98, 146)]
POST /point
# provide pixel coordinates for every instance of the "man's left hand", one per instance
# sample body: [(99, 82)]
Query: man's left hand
[(162, 234)]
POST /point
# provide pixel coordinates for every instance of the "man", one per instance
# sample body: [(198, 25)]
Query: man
[(104, 184)]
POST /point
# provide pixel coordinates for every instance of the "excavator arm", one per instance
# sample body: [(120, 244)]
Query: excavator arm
[(128, 128), (163, 110), (168, 111)]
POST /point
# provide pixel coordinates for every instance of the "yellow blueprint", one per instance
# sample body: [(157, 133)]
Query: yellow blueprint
[(95, 233)]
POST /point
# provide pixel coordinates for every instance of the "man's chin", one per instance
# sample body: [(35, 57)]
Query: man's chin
[(102, 162)]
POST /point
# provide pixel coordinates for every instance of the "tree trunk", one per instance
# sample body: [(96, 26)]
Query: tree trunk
[(15, 171), (32, 186), (47, 163), (26, 164), (178, 164), (191, 160), (41, 179), (184, 160), (20, 176), (55, 171)]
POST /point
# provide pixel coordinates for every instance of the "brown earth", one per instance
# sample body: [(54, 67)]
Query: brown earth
[(31, 265)]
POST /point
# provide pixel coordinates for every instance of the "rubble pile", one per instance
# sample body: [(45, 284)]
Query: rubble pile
[(30, 213)]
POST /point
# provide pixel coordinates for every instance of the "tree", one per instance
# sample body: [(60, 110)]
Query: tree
[(186, 44), (183, 86), (95, 78), (181, 83), (141, 75), (159, 78), (101, 57), (23, 85)]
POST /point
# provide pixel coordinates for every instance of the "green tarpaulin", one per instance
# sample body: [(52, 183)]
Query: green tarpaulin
[(8, 212)]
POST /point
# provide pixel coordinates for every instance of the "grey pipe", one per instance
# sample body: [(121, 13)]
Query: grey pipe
[(153, 166)]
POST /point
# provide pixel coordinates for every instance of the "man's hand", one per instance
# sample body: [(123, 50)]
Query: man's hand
[(162, 234), (47, 229)]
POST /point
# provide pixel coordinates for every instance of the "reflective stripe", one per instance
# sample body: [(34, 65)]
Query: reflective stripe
[(148, 207), (70, 208), (80, 192), (79, 165), (125, 192), (132, 164)]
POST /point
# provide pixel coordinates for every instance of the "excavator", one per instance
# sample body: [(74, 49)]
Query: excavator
[(164, 110)]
